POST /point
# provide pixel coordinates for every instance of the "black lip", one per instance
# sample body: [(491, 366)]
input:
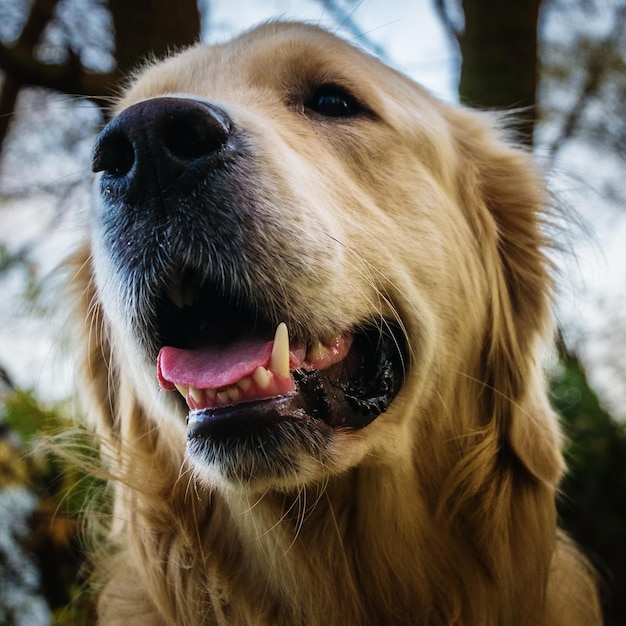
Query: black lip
[(224, 422), (350, 395)]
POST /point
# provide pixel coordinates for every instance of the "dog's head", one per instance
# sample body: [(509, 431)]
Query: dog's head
[(304, 262)]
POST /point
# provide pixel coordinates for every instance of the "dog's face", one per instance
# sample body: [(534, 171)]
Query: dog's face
[(296, 253)]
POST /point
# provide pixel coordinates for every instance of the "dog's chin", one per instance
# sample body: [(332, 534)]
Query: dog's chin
[(292, 439), (264, 446)]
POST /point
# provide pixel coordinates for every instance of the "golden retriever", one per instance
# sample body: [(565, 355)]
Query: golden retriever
[(315, 301)]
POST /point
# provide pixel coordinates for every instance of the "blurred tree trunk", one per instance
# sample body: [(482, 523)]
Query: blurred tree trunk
[(153, 27), (499, 51), (39, 16), (142, 28), (498, 44)]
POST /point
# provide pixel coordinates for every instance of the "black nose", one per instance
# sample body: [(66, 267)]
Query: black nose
[(160, 144)]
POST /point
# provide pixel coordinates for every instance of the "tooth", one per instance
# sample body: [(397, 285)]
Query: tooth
[(233, 394), (279, 361), (315, 351), (197, 395), (182, 389), (245, 383), (262, 377), (222, 397), (211, 394)]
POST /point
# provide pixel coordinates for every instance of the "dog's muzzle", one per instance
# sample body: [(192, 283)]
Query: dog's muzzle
[(181, 230), (163, 143)]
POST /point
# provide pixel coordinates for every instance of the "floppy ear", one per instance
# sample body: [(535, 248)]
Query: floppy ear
[(507, 198)]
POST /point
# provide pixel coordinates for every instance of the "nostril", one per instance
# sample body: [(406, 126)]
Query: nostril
[(113, 154), (161, 144), (193, 134)]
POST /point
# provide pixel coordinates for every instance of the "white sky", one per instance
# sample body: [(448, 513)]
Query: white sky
[(408, 30)]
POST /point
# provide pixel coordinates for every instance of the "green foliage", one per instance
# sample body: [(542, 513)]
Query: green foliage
[(53, 532), (593, 506)]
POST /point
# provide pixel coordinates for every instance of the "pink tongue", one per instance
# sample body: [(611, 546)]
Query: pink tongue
[(212, 367)]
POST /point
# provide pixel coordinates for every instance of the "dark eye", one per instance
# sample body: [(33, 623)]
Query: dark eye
[(333, 101)]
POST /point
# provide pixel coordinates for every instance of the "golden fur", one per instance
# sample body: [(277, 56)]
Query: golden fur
[(441, 511)]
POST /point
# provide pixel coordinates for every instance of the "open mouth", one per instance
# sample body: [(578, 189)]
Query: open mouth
[(236, 369)]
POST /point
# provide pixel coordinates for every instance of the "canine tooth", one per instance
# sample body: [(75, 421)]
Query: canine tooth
[(262, 377), (233, 394), (197, 395), (279, 361), (182, 389)]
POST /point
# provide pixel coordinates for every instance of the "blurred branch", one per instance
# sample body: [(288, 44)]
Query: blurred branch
[(39, 15), (8, 97), (20, 64), (344, 19), (446, 19), (141, 28), (597, 68), (6, 382)]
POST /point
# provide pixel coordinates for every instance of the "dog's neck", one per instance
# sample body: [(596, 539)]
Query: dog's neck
[(358, 535), (358, 548)]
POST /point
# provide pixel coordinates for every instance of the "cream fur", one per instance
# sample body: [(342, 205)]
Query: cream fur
[(442, 510)]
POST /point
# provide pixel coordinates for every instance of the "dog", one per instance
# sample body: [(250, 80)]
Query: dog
[(314, 302)]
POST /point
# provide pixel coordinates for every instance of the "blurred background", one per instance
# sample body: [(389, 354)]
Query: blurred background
[(561, 64)]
